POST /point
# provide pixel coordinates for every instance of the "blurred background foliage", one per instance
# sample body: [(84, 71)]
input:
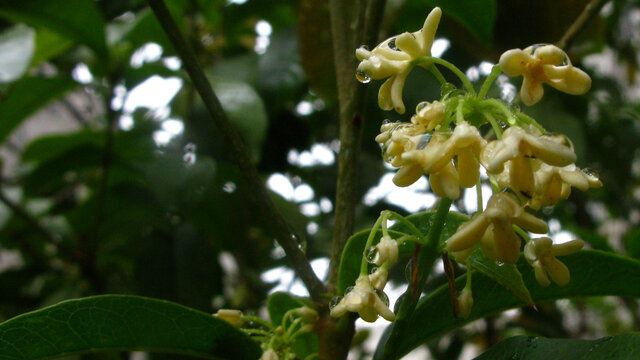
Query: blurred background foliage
[(111, 186)]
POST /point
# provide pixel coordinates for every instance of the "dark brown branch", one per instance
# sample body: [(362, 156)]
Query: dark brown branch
[(351, 95), (236, 146), (589, 13)]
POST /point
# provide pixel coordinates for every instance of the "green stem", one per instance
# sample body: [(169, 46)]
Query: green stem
[(459, 112), (503, 108), (469, 272), (364, 264), (409, 224), (529, 120), (494, 123), (495, 71), (479, 195), (436, 73), (522, 233), (454, 69), (291, 328), (256, 332)]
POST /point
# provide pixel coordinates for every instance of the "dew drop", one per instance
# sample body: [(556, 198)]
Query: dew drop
[(348, 290), (421, 106), (362, 76), (383, 296), (396, 306), (189, 156), (373, 270), (499, 263), (408, 270), (364, 47), (392, 44), (591, 172), (372, 254), (334, 301), (424, 140)]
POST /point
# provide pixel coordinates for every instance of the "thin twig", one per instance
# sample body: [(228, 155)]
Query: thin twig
[(285, 237), (75, 113), (589, 13)]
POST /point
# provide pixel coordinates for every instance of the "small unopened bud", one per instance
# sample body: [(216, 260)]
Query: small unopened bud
[(233, 317), (308, 315), (269, 354), (465, 303)]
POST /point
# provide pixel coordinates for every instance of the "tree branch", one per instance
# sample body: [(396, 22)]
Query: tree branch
[(351, 95), (284, 235), (589, 13)]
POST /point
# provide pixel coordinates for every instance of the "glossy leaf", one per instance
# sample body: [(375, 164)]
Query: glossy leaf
[(16, 46), (505, 274), (26, 96), (593, 273), (79, 20), (122, 323), (621, 347), (352, 253)]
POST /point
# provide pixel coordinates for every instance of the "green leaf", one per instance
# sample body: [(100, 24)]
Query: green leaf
[(48, 45), (26, 96), (16, 46), (352, 253), (478, 16), (593, 273), (122, 323), (277, 305), (246, 112), (505, 274), (79, 20), (621, 347)]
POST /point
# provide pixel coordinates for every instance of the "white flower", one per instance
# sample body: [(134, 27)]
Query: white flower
[(520, 147), (364, 300), (428, 115), (392, 58), (495, 228), (541, 254), (378, 278), (544, 64), (387, 250)]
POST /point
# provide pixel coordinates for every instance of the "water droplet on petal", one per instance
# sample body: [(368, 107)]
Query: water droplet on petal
[(392, 44), (383, 296), (424, 140), (590, 172), (364, 47), (373, 270), (334, 301), (396, 306), (348, 290), (362, 76), (421, 105)]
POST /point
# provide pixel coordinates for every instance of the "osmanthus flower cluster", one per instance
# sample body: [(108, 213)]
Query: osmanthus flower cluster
[(276, 339), (450, 139)]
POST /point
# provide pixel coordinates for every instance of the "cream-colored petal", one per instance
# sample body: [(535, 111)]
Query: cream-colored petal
[(396, 91), (468, 234), (530, 223), (407, 175), (567, 248), (521, 176), (428, 32), (384, 95), (445, 183), (553, 149), (378, 278), (551, 54), (568, 79), (506, 242), (541, 275), (558, 271), (408, 43), (513, 62), (465, 303), (575, 178), (362, 53), (468, 168), (531, 91), (383, 309)]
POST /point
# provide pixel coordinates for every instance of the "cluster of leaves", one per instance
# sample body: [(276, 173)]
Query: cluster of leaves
[(98, 209)]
